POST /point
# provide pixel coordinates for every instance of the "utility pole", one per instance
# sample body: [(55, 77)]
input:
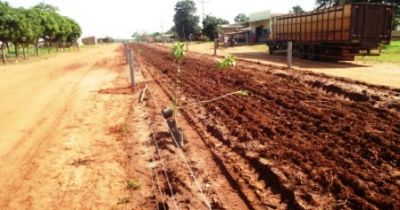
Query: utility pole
[(162, 34), (202, 8)]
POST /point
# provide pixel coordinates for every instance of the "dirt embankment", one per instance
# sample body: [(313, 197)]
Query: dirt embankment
[(314, 141)]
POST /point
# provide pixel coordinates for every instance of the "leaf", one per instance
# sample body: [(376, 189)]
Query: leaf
[(178, 51), (243, 93)]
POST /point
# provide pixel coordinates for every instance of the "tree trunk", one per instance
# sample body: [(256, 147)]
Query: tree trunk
[(8, 48), (16, 50), (37, 49), (23, 51), (3, 55)]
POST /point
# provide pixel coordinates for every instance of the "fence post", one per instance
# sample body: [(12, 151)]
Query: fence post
[(131, 67), (126, 53), (289, 54), (215, 46)]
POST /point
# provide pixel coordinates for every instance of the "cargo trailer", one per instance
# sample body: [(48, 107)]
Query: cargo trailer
[(335, 33)]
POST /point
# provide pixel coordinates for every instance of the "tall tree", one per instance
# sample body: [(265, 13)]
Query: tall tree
[(63, 32), (241, 18), (76, 32), (5, 26), (297, 9), (50, 25), (186, 22), (210, 26), (35, 19)]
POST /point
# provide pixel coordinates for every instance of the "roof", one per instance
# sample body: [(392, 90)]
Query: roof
[(232, 26), (168, 35), (257, 16), (278, 14)]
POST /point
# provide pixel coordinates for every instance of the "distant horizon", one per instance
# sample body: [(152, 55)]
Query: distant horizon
[(117, 20)]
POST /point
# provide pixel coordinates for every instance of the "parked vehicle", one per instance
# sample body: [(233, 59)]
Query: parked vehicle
[(335, 33)]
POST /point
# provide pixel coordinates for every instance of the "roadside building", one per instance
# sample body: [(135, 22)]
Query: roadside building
[(168, 37), (237, 32), (260, 24), (91, 40)]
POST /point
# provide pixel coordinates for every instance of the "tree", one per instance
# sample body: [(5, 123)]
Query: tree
[(210, 26), (136, 36), (64, 31), (172, 30), (24, 27), (5, 26), (241, 18), (35, 20), (186, 22), (297, 9), (49, 22), (76, 32)]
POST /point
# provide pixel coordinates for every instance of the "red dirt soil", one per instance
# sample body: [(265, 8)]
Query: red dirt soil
[(315, 141)]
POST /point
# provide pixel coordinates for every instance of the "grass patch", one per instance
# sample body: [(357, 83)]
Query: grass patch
[(390, 53)]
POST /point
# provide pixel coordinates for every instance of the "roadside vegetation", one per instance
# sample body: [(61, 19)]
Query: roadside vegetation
[(390, 53), (35, 28)]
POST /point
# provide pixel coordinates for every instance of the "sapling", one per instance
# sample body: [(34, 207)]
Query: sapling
[(170, 114), (178, 54), (228, 62)]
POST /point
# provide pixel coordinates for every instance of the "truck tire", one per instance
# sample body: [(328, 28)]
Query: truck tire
[(314, 53), (302, 51)]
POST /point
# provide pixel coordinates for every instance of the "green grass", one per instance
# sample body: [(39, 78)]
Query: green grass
[(31, 53), (390, 53)]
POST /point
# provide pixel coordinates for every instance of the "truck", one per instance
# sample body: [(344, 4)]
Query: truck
[(334, 33)]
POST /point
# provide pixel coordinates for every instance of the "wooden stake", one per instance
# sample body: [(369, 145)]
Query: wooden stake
[(289, 55), (143, 94)]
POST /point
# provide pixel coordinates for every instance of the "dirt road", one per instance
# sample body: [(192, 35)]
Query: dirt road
[(387, 74), (56, 150)]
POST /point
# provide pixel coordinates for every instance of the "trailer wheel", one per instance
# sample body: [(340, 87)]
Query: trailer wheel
[(313, 52), (271, 49), (302, 51)]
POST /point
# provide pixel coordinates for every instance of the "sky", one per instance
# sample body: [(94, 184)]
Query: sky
[(121, 18)]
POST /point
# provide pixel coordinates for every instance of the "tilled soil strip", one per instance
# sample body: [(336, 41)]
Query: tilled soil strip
[(313, 149)]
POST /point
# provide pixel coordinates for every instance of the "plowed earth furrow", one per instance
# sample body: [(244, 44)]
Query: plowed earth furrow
[(313, 146)]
